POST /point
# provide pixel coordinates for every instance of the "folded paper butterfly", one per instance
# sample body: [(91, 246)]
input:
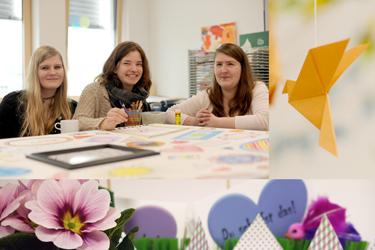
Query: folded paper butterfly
[(309, 94)]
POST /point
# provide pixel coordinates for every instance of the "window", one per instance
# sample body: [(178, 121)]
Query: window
[(91, 39), (11, 50)]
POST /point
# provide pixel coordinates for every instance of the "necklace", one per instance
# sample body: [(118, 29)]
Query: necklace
[(47, 98)]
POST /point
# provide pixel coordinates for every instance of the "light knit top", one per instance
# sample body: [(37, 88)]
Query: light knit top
[(256, 118), (92, 107)]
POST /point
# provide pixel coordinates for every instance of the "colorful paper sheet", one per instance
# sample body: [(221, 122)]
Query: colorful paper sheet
[(258, 236), (309, 94), (198, 240), (325, 237)]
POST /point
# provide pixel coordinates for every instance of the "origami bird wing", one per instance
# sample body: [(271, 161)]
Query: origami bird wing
[(309, 94), (347, 60)]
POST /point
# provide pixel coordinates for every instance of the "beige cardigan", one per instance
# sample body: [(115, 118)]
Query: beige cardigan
[(92, 107)]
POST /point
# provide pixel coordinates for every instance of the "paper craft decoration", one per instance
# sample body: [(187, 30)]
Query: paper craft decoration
[(260, 146), (182, 149), (230, 216), (372, 246), (216, 35), (37, 142), (153, 222), (108, 139), (11, 170), (309, 94), (282, 203), (149, 131), (258, 236), (198, 135), (198, 240), (325, 237)]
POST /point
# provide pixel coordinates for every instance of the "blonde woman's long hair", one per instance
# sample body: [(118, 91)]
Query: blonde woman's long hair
[(32, 103)]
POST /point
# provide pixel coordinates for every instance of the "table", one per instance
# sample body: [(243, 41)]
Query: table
[(194, 152)]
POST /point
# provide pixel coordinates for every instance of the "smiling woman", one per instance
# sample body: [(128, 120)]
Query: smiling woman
[(35, 111), (234, 100), (125, 79)]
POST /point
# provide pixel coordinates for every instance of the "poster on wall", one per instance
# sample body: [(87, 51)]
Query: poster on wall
[(258, 39), (214, 36)]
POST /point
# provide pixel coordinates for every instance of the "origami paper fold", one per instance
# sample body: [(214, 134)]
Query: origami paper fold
[(309, 94), (198, 240), (325, 237), (258, 236)]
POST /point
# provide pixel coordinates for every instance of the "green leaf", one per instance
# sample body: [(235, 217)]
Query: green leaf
[(127, 243), (114, 234), (132, 233), (112, 246), (23, 241)]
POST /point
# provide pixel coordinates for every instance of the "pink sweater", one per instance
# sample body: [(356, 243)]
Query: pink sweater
[(256, 118)]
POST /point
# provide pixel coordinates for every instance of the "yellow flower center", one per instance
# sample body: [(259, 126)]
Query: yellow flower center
[(72, 223), (31, 223)]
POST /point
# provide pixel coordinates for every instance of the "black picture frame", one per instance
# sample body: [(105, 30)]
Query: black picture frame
[(61, 158)]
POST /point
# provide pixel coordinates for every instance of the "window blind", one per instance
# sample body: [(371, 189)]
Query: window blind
[(84, 13), (8, 10)]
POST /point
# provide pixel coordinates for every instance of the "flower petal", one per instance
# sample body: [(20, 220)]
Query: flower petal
[(18, 223), (39, 216), (65, 239), (22, 210), (6, 198), (95, 241), (91, 203), (70, 189), (5, 231), (50, 197), (106, 223)]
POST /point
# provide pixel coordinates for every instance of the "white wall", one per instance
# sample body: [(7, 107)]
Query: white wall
[(174, 27), (135, 23), (48, 25)]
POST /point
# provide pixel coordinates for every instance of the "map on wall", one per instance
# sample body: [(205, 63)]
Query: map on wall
[(214, 36)]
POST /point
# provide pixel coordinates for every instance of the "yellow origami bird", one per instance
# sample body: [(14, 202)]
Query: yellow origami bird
[(309, 94)]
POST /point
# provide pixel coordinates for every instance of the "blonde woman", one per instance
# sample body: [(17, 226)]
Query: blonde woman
[(35, 111)]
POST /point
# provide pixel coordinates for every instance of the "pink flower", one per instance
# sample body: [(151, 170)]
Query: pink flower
[(21, 221), (9, 202), (72, 215)]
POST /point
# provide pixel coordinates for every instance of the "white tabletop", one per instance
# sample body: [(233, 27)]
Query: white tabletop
[(194, 152)]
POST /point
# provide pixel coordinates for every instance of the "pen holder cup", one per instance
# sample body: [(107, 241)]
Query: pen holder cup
[(153, 117), (136, 117)]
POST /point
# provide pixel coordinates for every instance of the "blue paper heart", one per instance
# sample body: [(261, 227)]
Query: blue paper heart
[(230, 216), (281, 203)]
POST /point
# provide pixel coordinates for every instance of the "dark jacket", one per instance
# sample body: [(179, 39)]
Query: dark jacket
[(10, 115)]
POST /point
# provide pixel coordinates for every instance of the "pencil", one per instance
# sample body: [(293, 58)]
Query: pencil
[(129, 117), (140, 106)]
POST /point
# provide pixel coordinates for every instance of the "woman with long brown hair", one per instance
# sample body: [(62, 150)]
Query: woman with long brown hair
[(125, 79), (35, 111), (234, 99)]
